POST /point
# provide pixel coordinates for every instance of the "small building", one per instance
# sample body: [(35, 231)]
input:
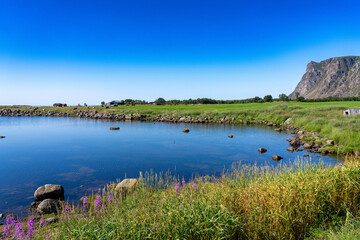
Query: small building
[(351, 111), (60, 105)]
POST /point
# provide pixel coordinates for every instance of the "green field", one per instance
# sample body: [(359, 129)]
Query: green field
[(326, 118)]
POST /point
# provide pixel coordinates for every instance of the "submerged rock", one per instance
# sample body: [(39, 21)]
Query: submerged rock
[(49, 191), (230, 136), (2, 136), (290, 149), (276, 158), (262, 150), (114, 128), (185, 130), (277, 129), (48, 206)]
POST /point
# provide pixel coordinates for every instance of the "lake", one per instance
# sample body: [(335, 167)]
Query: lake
[(74, 152)]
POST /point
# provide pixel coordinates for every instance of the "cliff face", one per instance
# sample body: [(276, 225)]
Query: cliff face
[(334, 77)]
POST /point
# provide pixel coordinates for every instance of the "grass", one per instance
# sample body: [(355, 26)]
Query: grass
[(289, 202), (323, 117)]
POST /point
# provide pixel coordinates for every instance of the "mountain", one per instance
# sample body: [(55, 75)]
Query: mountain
[(334, 77)]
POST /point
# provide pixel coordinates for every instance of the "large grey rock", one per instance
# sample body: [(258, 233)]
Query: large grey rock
[(49, 191), (48, 206), (334, 77), (330, 142), (127, 185)]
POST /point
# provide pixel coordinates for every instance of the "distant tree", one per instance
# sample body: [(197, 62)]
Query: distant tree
[(297, 95), (301, 99), (268, 98), (283, 97), (102, 103), (257, 99), (160, 101), (85, 105)]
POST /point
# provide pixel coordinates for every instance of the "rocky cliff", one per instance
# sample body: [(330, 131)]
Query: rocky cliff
[(334, 77)]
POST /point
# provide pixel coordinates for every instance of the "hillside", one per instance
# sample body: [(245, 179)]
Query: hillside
[(334, 77)]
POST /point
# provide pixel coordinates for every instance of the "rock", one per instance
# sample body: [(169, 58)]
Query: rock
[(48, 206), (295, 143), (126, 185), (2, 136), (230, 136), (276, 158), (51, 220), (2, 216), (185, 130), (290, 149), (289, 139), (306, 155), (50, 191), (114, 128), (34, 205), (287, 121), (299, 150), (262, 150), (277, 129), (357, 153), (330, 142), (300, 133), (307, 145)]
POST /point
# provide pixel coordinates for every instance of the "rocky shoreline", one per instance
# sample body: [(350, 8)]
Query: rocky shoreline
[(308, 140)]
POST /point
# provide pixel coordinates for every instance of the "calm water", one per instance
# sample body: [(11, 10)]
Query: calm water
[(74, 152)]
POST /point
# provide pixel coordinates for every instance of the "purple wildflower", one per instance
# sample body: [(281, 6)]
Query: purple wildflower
[(85, 201), (110, 197), (10, 221), (194, 185), (67, 209), (30, 231), (19, 233), (98, 203), (177, 186), (48, 237), (6, 231), (183, 182), (42, 222)]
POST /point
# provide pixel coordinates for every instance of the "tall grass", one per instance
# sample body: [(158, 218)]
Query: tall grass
[(246, 203)]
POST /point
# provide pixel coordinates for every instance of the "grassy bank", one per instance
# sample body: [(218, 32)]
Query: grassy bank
[(246, 203), (323, 117)]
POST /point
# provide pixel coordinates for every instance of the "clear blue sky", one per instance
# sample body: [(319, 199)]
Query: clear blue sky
[(84, 51)]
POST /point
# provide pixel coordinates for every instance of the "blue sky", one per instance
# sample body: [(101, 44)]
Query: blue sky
[(89, 51)]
